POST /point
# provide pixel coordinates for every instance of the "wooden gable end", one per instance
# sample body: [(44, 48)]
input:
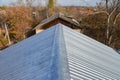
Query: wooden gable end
[(56, 21)]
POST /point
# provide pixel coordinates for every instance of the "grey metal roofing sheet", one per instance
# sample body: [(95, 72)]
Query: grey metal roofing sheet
[(36, 58), (89, 59), (59, 53)]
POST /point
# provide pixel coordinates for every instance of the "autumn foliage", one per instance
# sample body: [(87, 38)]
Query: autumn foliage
[(20, 19)]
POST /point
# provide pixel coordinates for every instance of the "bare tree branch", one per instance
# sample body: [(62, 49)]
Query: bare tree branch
[(116, 17), (100, 12)]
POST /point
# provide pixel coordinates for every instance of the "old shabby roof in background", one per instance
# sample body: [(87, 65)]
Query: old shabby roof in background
[(59, 16)]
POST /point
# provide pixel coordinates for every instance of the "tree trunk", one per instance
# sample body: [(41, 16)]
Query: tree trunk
[(7, 33)]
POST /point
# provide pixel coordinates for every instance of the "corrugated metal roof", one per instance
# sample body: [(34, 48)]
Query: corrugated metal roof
[(36, 58), (89, 59), (59, 53)]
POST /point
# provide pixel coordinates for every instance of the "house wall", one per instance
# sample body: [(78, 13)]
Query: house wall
[(56, 21), (78, 30), (68, 24), (52, 23), (39, 30)]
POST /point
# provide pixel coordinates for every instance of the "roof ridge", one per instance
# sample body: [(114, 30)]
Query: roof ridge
[(59, 56), (63, 54)]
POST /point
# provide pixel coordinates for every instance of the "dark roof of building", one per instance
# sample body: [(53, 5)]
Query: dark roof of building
[(59, 16), (59, 53), (118, 50)]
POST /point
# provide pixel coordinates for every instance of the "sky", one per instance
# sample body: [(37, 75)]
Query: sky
[(61, 2)]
